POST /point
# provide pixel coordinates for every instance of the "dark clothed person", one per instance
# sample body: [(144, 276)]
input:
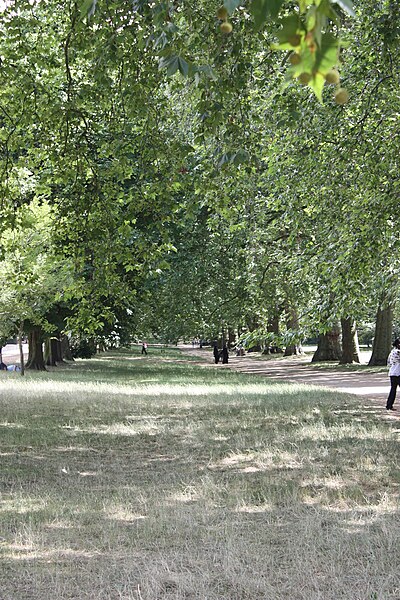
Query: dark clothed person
[(225, 355), (216, 354)]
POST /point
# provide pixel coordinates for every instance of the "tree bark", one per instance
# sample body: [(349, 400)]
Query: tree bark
[(273, 324), (272, 327), (292, 323), (329, 347), (383, 336), (52, 353), (58, 351), (65, 348), (49, 357), (21, 351), (35, 357), (350, 347)]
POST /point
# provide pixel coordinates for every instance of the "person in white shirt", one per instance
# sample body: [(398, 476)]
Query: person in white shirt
[(394, 373)]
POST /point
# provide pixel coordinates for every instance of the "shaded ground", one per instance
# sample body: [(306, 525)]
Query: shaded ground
[(371, 386), (150, 478)]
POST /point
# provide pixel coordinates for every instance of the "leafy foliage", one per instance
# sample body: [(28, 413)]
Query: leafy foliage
[(194, 187)]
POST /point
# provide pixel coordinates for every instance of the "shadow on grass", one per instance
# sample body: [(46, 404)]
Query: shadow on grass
[(271, 495), (128, 366)]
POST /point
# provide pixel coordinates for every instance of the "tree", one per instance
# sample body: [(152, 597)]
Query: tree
[(134, 122), (32, 278)]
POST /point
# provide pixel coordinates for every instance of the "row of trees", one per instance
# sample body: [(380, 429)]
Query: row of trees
[(162, 177)]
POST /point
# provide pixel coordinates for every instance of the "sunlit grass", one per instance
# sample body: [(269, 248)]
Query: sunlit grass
[(143, 478)]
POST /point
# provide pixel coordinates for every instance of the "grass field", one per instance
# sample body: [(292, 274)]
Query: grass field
[(125, 477)]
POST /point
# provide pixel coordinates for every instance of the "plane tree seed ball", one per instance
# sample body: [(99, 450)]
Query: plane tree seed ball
[(294, 40), (222, 13), (305, 78), (295, 59), (332, 76), (226, 27), (341, 96)]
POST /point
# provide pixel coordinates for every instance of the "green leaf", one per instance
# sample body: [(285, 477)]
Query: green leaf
[(317, 85), (327, 55), (170, 63), (176, 63), (173, 66), (240, 157), (208, 72), (226, 158), (183, 66), (311, 18), (290, 27), (262, 9)]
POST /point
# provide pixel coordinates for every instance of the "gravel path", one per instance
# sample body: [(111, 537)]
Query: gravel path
[(372, 387)]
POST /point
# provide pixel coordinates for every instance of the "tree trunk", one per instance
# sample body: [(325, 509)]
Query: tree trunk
[(49, 358), (350, 347), (92, 345), (292, 323), (52, 352), (383, 336), (272, 327), (58, 351), (65, 348), (273, 324), (21, 351), (252, 323), (35, 358), (329, 347)]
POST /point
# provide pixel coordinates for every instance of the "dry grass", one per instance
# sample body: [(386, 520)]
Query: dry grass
[(130, 478)]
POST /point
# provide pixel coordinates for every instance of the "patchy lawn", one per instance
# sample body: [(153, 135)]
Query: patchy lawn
[(129, 477)]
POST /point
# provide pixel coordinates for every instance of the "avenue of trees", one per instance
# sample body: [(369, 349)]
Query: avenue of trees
[(178, 169)]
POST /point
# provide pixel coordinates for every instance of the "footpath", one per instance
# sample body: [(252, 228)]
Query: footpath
[(372, 388)]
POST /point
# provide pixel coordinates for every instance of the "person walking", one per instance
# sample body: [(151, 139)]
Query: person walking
[(225, 355), (394, 373), (144, 348), (216, 353)]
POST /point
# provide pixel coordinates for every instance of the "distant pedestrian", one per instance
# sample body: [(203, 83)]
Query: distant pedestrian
[(239, 350), (144, 348), (216, 353), (394, 373), (225, 355)]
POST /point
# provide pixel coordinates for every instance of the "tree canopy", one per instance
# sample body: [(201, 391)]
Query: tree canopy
[(188, 171)]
